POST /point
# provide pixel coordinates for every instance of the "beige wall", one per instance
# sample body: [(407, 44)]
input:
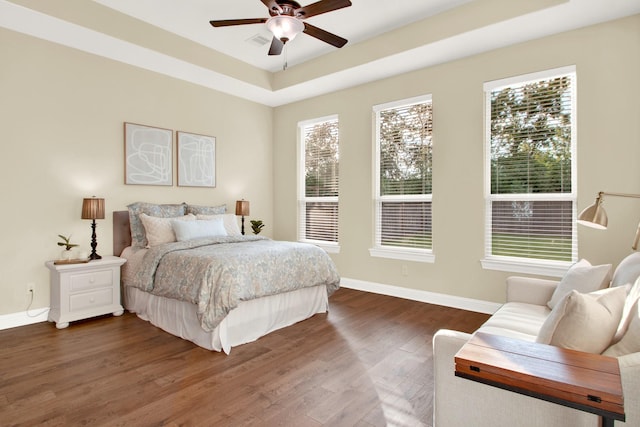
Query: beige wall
[(62, 111), (607, 58), (62, 114)]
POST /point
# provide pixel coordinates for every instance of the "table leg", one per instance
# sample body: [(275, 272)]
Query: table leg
[(606, 421)]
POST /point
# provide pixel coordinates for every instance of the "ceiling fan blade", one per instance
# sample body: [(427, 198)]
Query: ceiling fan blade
[(322, 6), (230, 22), (272, 5), (323, 35), (276, 46)]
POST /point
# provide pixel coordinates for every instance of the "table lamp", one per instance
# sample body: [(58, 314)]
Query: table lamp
[(242, 209), (93, 209)]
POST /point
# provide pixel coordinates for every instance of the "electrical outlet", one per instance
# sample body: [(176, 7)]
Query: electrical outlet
[(405, 270), (30, 287)]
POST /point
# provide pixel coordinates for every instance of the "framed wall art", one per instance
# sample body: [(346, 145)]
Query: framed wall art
[(148, 155), (196, 160)]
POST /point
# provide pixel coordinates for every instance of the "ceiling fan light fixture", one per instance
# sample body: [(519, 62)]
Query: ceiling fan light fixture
[(285, 27)]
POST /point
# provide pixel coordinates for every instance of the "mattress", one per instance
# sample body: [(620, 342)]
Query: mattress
[(249, 321)]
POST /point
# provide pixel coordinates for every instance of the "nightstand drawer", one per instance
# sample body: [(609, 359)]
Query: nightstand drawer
[(92, 280), (91, 299)]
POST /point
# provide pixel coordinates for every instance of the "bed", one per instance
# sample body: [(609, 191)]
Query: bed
[(217, 291)]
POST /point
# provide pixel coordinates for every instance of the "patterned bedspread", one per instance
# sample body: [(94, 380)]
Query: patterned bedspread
[(218, 273)]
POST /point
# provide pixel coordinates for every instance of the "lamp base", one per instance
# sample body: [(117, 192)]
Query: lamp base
[(94, 242)]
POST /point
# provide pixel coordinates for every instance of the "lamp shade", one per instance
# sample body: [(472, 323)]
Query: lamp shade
[(93, 208), (284, 27), (594, 216), (242, 208)]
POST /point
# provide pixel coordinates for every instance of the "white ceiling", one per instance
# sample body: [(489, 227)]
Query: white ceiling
[(359, 62), (361, 21)]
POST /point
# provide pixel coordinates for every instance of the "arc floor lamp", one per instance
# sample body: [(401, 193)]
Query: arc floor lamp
[(595, 216)]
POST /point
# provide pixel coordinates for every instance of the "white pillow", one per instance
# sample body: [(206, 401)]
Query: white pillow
[(230, 222), (627, 312), (582, 277), (159, 230), (630, 342), (189, 230), (627, 271), (585, 322)]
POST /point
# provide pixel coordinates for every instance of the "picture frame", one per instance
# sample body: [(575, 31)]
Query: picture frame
[(196, 160), (148, 153)]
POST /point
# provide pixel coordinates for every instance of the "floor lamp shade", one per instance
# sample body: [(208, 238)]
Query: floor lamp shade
[(596, 217)]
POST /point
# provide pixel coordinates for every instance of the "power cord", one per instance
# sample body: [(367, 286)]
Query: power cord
[(29, 306)]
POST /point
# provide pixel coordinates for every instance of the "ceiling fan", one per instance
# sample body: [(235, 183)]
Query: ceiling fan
[(286, 22)]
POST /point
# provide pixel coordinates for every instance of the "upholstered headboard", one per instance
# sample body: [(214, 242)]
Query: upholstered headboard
[(121, 231)]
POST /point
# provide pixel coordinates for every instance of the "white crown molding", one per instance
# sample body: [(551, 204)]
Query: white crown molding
[(567, 16), (45, 27)]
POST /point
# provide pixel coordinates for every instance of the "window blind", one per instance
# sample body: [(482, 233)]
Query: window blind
[(318, 201), (531, 165), (404, 174)]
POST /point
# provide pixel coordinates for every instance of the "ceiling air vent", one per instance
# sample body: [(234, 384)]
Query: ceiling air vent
[(258, 40)]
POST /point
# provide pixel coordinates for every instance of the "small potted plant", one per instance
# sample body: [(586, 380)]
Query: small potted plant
[(256, 226), (67, 253)]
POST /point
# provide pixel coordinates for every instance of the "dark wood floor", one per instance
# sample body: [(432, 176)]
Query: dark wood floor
[(366, 363)]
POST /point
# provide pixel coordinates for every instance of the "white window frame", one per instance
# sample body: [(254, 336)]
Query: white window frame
[(330, 247), (518, 264), (379, 250)]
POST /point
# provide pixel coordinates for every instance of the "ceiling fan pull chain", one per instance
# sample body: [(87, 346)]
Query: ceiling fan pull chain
[(285, 64)]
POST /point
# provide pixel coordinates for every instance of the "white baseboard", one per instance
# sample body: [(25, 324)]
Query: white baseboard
[(479, 306), (24, 318), (40, 315)]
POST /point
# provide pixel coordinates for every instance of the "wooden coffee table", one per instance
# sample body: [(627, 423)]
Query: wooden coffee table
[(584, 381)]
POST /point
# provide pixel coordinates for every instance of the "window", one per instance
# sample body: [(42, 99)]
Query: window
[(318, 182), (530, 172), (403, 179)]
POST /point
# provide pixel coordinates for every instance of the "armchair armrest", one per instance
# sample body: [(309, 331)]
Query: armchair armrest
[(630, 374), (530, 290)]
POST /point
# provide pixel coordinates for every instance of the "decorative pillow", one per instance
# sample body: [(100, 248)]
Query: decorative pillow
[(628, 270), (159, 230), (138, 238), (206, 210), (189, 230), (585, 322), (583, 277), (230, 222), (627, 316), (630, 342)]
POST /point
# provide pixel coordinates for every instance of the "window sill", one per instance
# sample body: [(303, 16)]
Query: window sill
[(542, 268), (405, 254)]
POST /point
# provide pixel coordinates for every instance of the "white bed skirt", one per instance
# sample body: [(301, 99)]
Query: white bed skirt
[(246, 323)]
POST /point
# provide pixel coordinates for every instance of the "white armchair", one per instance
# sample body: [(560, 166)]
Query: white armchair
[(459, 402)]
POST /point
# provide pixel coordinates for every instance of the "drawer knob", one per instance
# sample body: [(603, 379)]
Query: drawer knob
[(92, 300)]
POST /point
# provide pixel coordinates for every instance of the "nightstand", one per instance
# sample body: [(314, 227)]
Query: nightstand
[(80, 291)]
